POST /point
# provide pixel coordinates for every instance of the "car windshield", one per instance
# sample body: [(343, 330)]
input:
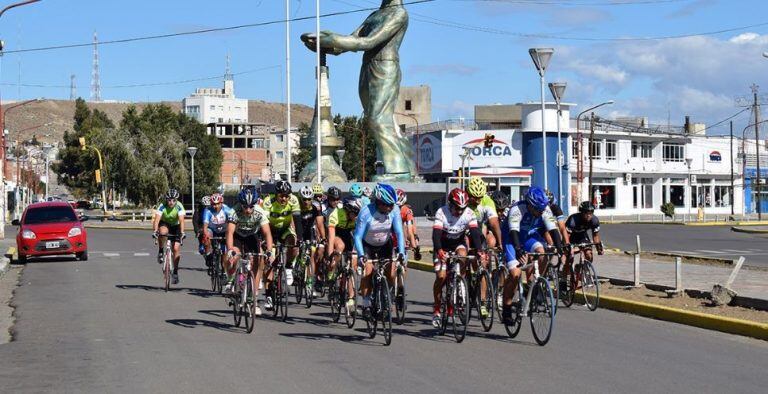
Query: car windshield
[(50, 215)]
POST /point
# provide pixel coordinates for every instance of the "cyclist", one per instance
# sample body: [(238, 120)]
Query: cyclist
[(215, 221), (169, 220), (197, 220), (452, 222), (409, 223), (502, 209), (528, 221), (243, 227), (577, 228), (284, 215), (373, 237), (341, 225), (312, 225), (357, 191), (487, 218)]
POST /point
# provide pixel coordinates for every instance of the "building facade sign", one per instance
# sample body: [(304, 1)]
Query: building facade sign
[(504, 152), (430, 152)]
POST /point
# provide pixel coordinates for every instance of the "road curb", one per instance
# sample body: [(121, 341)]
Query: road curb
[(690, 318), (748, 230)]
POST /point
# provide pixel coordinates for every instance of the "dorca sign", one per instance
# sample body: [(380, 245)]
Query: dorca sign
[(715, 156), (498, 149)]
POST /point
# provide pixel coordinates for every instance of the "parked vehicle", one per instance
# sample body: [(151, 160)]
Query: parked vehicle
[(51, 228)]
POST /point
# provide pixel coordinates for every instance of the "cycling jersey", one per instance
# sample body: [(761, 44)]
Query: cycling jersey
[(406, 214), (454, 227), (375, 228), (308, 216), (578, 227), (485, 210), (217, 221), (340, 220), (248, 225), (280, 214), (171, 215), (529, 227)]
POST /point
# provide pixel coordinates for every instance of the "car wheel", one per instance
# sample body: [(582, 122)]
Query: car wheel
[(82, 256), (21, 259)]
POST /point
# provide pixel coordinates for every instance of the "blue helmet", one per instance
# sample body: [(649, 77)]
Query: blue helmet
[(536, 198), (355, 190), (385, 193), (248, 197)]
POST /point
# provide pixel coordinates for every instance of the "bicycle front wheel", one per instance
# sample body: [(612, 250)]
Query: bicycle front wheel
[(590, 287), (498, 278), (349, 315), (167, 262), (488, 302), (399, 291), (308, 288), (554, 282), (385, 311), (542, 311), (461, 308), (445, 300), (249, 304), (282, 295), (568, 290)]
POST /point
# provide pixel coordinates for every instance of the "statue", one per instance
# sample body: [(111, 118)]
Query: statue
[(379, 37)]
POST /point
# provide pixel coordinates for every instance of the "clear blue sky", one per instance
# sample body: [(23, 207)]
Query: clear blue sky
[(476, 59)]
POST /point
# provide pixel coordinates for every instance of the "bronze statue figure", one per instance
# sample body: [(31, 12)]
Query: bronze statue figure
[(379, 37)]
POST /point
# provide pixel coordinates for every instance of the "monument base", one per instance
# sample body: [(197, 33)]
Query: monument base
[(331, 171), (398, 177)]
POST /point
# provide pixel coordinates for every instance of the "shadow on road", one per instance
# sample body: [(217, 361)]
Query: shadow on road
[(351, 339), (194, 269), (47, 260), (157, 288), (192, 323)]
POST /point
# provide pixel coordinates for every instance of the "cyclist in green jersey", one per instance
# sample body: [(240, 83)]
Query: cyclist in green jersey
[(284, 214), (169, 220), (341, 225)]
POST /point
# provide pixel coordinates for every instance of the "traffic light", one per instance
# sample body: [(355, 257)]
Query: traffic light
[(488, 140), (98, 176), (82, 143)]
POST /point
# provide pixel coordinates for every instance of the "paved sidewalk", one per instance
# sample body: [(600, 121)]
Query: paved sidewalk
[(749, 283)]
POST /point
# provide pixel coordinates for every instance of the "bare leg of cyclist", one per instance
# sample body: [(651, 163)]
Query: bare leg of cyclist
[(176, 256), (162, 233)]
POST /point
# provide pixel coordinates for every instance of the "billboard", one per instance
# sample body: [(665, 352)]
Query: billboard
[(504, 152), (429, 152)]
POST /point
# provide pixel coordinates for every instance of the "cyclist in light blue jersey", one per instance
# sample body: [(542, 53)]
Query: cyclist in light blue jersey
[(215, 219)]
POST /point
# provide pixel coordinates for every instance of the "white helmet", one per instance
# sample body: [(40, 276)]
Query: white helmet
[(306, 192)]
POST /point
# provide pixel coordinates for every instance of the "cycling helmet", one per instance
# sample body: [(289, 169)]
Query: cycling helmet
[(282, 187), (536, 198), (355, 190), (172, 194), (305, 192), (476, 187), (586, 206), (550, 196), (458, 198), (352, 204), (500, 199), (317, 189), (248, 197), (205, 201), (217, 198), (402, 198), (385, 193), (334, 193), (367, 191)]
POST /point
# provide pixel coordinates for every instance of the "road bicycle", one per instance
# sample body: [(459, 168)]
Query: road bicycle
[(302, 286), (338, 293), (499, 275), (215, 271), (581, 276), (399, 293), (551, 272), (454, 300), (535, 301), (170, 239), (279, 284), (380, 310), (243, 299)]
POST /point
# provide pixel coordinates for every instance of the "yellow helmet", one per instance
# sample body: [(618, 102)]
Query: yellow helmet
[(476, 187), (317, 189)]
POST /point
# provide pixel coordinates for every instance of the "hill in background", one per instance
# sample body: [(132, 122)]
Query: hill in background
[(48, 119)]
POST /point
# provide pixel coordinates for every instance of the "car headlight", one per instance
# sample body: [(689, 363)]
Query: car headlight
[(74, 231), (28, 234)]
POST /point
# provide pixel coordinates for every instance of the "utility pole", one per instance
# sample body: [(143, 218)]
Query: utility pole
[(590, 153), (757, 149), (732, 193), (288, 166)]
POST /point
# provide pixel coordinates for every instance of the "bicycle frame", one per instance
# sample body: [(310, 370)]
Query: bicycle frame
[(533, 259)]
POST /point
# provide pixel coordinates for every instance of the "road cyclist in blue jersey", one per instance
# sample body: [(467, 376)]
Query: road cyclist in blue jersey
[(530, 226), (215, 219), (169, 220), (197, 219), (375, 225)]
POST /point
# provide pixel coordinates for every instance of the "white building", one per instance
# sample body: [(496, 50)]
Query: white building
[(211, 105), (278, 148)]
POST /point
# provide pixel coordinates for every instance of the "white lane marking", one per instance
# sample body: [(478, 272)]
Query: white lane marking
[(111, 254), (710, 251), (734, 250), (141, 254)]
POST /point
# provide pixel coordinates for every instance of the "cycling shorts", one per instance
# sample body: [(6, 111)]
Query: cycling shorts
[(378, 252), (529, 245), (247, 244), (173, 229), (280, 234), (346, 236), (218, 230), (578, 238), (449, 245)]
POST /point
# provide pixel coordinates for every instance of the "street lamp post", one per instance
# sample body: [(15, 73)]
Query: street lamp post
[(192, 150), (558, 90), (47, 153), (580, 149), (688, 162), (541, 58)]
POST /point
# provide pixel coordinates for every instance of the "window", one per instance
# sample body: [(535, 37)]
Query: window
[(642, 193), (279, 154), (280, 138), (594, 151), (213, 107), (722, 196), (610, 150), (673, 152), (642, 149), (604, 196), (575, 150), (402, 128), (257, 143), (676, 195), (408, 106)]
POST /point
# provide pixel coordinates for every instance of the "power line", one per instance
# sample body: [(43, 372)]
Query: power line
[(203, 31)]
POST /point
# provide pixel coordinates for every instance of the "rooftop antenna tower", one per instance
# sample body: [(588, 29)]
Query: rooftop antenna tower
[(72, 88), (228, 71), (95, 82)]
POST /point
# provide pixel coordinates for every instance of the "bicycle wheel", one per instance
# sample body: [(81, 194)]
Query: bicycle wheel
[(399, 296), (167, 261), (214, 273), (498, 278), (489, 302), (385, 312), (542, 313), (512, 326), (236, 300), (554, 281), (333, 298), (349, 315), (298, 283), (371, 320), (568, 290), (308, 288), (590, 287), (283, 295), (249, 304), (461, 308), (445, 301)]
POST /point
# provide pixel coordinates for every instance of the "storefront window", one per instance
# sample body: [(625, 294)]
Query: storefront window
[(677, 195), (604, 196), (722, 196)]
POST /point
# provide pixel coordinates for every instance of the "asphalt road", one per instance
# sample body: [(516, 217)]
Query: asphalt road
[(106, 326), (705, 241)]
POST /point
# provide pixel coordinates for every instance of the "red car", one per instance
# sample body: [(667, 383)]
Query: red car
[(51, 228)]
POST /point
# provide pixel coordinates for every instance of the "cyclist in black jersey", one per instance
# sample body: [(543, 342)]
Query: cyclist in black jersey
[(578, 227)]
